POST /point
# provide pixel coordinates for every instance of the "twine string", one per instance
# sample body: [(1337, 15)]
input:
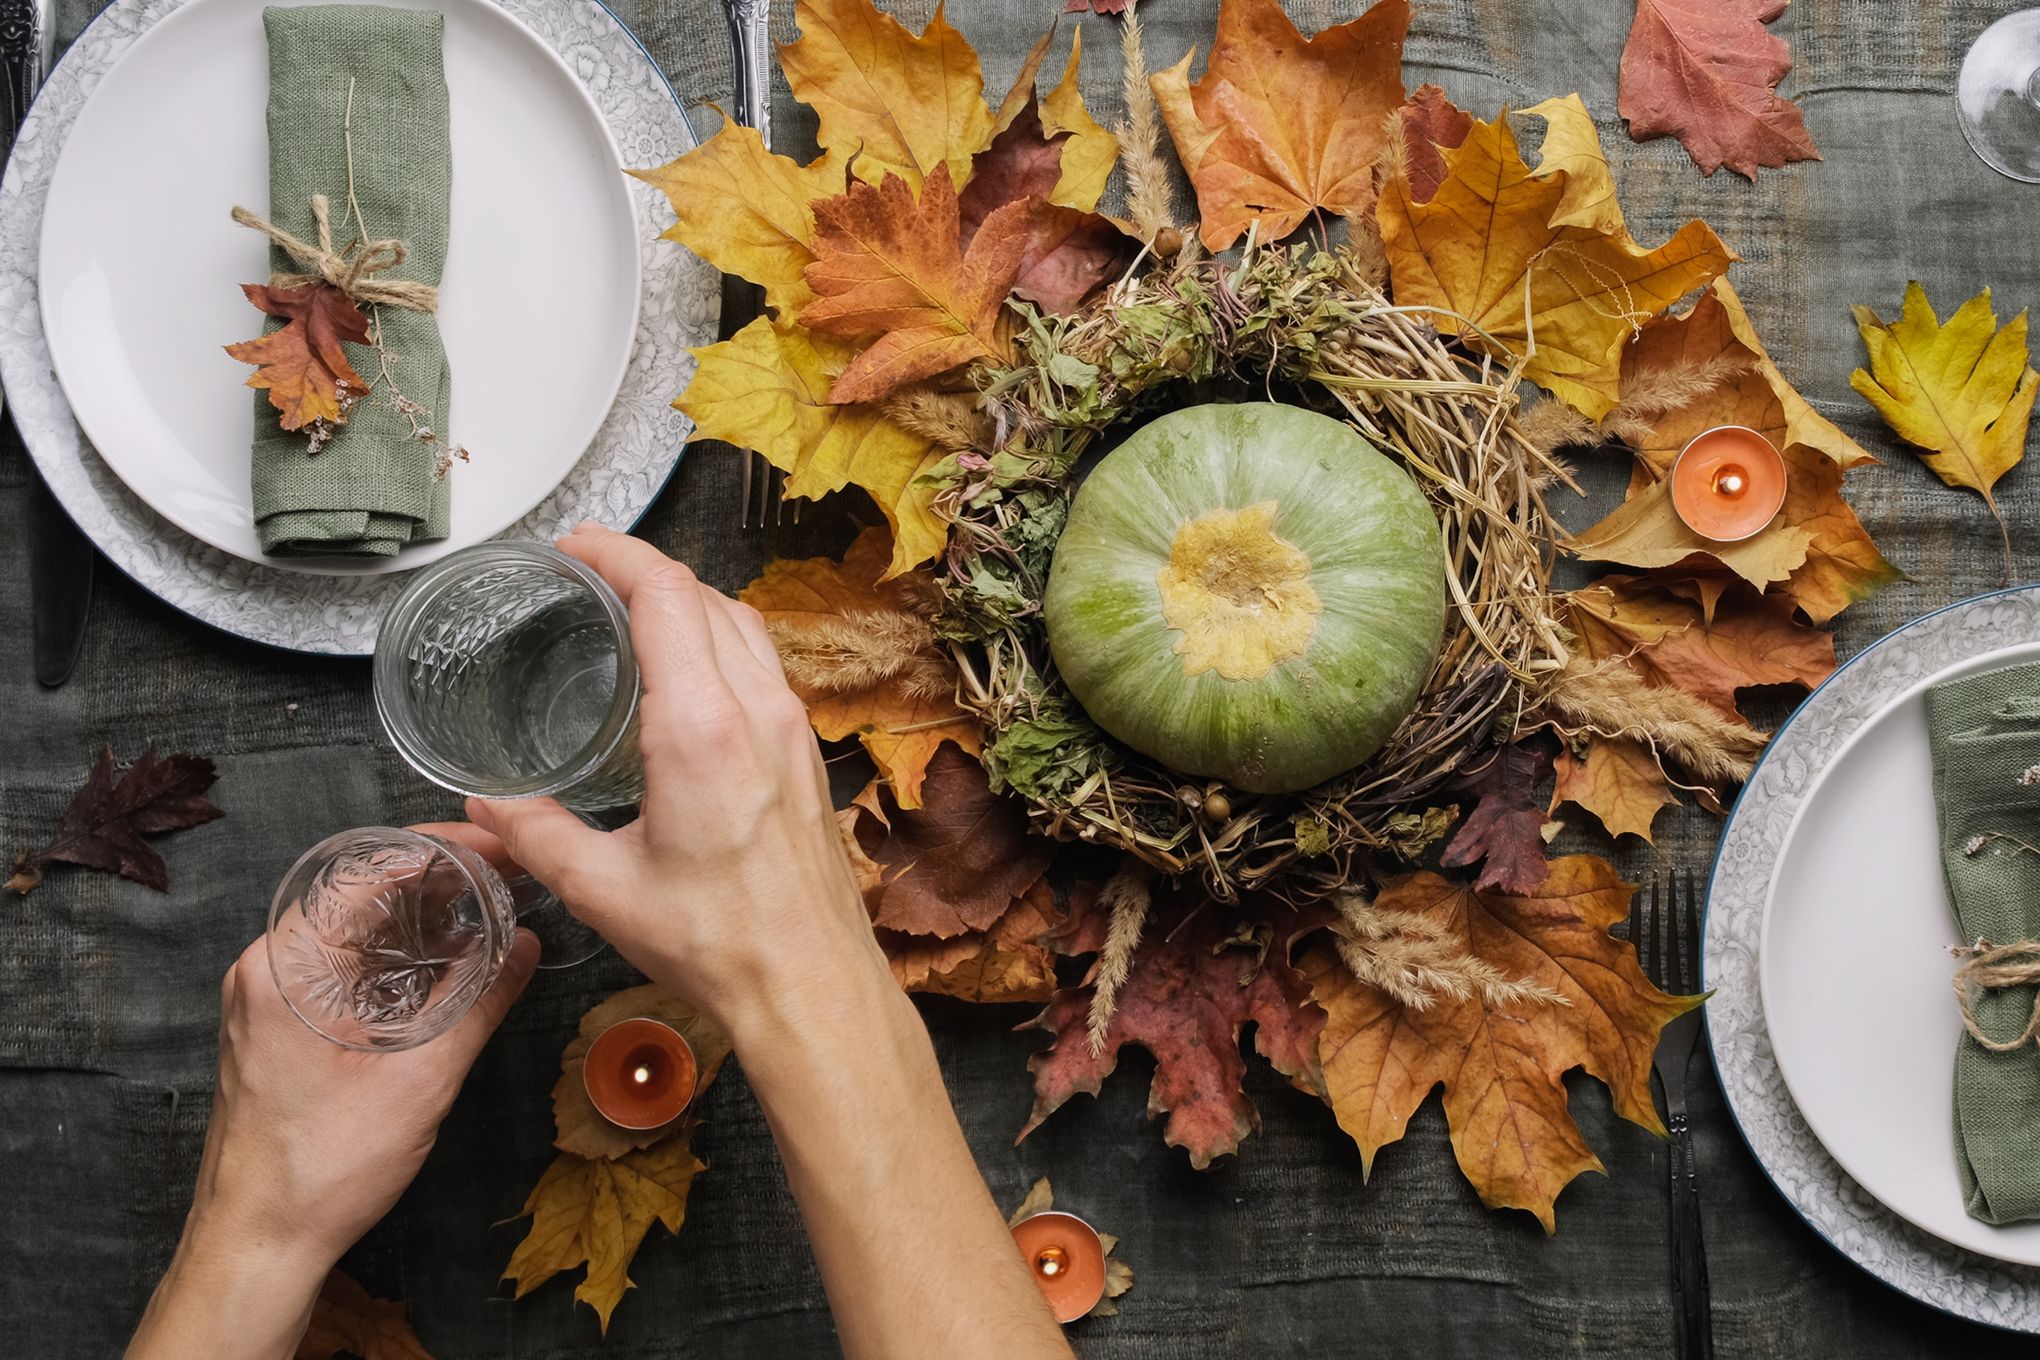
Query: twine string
[(1990, 967), (352, 271)]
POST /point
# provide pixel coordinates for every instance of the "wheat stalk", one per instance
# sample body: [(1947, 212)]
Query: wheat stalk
[(1125, 896), (1149, 196), (1609, 699), (861, 648)]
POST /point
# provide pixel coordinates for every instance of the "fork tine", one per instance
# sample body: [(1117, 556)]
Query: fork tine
[(1639, 923), (1665, 911), (1689, 940), (744, 510)]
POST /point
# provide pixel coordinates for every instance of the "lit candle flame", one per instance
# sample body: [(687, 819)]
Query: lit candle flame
[(641, 1075), (1731, 481), (1051, 1262)]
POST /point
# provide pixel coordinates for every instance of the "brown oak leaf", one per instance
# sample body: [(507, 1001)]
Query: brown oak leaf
[(596, 1212), (1068, 253), (1430, 121), (894, 266), (1005, 962), (1502, 1069), (1193, 983), (1707, 72), (347, 1318), (1505, 830), (104, 825), (1618, 780), (303, 364), (577, 1127), (957, 862), (901, 707), (1096, 6), (1281, 125), (1708, 636)]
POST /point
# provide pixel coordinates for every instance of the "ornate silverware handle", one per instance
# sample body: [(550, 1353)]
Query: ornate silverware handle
[(26, 40), (751, 40)]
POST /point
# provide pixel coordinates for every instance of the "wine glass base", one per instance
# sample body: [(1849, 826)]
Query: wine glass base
[(1998, 96)]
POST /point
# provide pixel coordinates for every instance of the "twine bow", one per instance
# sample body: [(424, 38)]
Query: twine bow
[(1990, 967), (352, 271)]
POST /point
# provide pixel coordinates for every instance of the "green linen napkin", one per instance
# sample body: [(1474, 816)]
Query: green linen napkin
[(1985, 734), (374, 488)]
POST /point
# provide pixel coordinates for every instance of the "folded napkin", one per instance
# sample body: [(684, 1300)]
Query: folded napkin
[(375, 487), (1985, 734)]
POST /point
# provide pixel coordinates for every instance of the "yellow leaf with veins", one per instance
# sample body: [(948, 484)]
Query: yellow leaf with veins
[(1091, 151), (748, 211), (1572, 145), (597, 1212), (1962, 391), (1499, 247), (886, 100), (767, 388)]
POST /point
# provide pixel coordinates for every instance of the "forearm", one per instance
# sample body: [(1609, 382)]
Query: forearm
[(916, 1258), (228, 1295)]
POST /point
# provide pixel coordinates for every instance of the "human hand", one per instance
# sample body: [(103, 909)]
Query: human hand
[(732, 888), (311, 1143)]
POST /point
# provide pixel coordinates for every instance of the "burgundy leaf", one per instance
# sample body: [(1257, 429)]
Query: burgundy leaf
[(104, 825), (1506, 826)]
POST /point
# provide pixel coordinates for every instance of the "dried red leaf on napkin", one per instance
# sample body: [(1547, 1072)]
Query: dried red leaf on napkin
[(1707, 72), (303, 365), (1505, 830)]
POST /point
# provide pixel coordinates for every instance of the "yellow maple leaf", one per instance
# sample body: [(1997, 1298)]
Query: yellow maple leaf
[(767, 388), (1572, 147), (1281, 125), (1091, 151), (596, 1212), (888, 102), (899, 716), (1502, 1068), (894, 266), (1501, 251), (748, 211), (1962, 391), (1618, 780)]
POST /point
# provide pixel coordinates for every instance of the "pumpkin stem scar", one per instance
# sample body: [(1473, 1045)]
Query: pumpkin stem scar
[(1240, 596)]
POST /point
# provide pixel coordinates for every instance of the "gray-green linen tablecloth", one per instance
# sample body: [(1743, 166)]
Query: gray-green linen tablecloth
[(108, 992)]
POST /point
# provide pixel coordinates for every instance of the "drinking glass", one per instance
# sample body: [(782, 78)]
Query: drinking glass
[(381, 938), (505, 670), (1998, 95)]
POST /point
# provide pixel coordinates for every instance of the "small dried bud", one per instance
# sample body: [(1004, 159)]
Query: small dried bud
[(1217, 807), (1168, 243)]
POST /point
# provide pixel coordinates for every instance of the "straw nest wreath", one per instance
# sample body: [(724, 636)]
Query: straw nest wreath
[(1309, 326)]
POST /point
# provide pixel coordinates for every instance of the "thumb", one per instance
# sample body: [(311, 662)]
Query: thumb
[(474, 1028), (541, 835)]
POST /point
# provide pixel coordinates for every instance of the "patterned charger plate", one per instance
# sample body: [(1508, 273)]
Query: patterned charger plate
[(615, 481), (1860, 1227)]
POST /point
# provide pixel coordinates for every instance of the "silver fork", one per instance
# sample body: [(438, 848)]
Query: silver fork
[(1665, 927), (750, 25)]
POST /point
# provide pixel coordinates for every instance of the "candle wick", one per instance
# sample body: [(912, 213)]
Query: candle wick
[(641, 1075)]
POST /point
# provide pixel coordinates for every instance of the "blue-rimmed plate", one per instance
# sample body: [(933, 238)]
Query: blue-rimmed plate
[(1859, 735)]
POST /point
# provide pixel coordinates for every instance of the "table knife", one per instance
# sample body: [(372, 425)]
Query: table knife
[(750, 24), (60, 557)]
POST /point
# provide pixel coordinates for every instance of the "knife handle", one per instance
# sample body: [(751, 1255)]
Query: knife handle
[(1691, 1298), (20, 58)]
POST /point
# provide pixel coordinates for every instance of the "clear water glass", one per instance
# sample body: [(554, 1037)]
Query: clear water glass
[(505, 670), (381, 938), (1998, 95)]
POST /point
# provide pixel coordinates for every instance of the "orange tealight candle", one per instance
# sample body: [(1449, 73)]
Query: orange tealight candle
[(1728, 483), (1067, 1259), (639, 1073)]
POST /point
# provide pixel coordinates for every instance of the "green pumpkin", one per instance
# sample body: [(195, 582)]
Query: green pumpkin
[(1248, 592)]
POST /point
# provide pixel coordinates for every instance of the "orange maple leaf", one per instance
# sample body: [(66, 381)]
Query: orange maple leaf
[(1502, 1067), (1281, 125), (902, 706), (302, 364), (892, 265), (1618, 780)]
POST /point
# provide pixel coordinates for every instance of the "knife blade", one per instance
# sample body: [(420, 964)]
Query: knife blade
[(60, 557), (750, 23)]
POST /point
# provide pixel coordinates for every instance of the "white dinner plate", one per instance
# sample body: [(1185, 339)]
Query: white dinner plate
[(538, 303), (1855, 965), (1833, 841), (630, 460)]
